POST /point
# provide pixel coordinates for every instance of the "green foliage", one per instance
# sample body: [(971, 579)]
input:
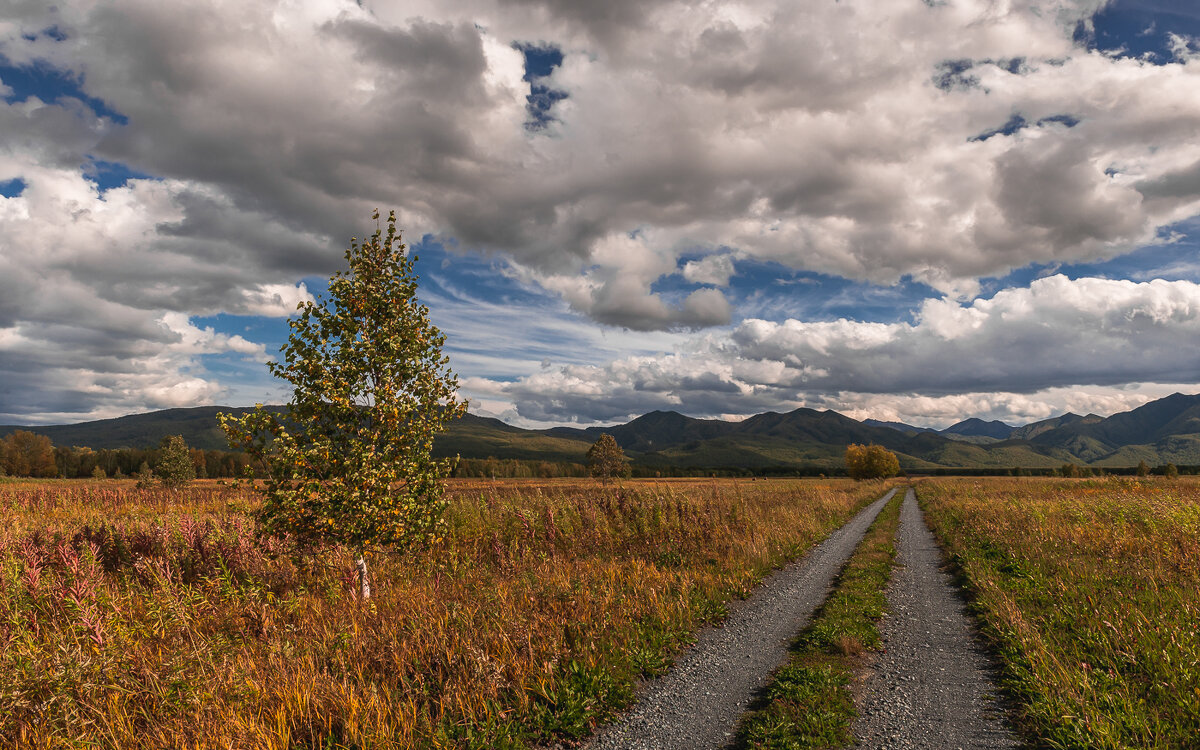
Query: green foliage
[(871, 462), (144, 475), (1143, 469), (1170, 471), (606, 459), (349, 460), (174, 468)]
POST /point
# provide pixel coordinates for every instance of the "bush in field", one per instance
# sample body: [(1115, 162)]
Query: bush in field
[(350, 459), (1143, 468), (174, 467), (144, 476), (1170, 471), (607, 460), (26, 454), (871, 462)]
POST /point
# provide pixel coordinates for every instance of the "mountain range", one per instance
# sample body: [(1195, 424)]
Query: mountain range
[(1166, 430)]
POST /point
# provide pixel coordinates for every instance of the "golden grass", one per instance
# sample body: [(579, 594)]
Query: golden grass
[(150, 618)]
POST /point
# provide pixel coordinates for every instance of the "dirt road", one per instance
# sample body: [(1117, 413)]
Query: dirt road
[(698, 703), (930, 688)]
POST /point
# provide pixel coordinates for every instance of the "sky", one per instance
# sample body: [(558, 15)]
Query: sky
[(914, 210)]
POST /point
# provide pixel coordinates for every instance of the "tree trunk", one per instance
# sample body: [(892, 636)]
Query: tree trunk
[(364, 576)]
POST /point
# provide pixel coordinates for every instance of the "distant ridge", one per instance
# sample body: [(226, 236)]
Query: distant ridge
[(974, 427), (901, 426), (1034, 429), (1166, 430)]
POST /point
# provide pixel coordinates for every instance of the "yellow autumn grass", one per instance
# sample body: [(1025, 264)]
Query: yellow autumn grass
[(147, 618)]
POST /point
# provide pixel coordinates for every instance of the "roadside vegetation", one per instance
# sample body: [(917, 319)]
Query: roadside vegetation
[(1090, 590), (809, 702), (155, 618)]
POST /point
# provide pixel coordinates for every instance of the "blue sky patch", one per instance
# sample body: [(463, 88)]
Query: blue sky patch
[(108, 174), (12, 188), (540, 61), (1018, 122), (50, 85), (1141, 28)]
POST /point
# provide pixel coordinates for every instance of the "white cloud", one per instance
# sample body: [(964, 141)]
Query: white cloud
[(802, 134), (1001, 355), (845, 138), (712, 269), (275, 300)]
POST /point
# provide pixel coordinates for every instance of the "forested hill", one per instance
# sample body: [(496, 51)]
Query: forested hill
[(1167, 430)]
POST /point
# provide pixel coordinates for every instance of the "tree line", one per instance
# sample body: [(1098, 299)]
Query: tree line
[(27, 454)]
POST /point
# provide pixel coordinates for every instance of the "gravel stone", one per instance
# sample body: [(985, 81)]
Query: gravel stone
[(931, 686), (699, 703)]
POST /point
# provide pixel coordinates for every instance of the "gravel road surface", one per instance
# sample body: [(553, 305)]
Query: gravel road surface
[(930, 687), (700, 701)]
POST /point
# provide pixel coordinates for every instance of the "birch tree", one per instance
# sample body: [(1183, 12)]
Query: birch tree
[(349, 458)]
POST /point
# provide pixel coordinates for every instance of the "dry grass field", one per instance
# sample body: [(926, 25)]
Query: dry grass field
[(1091, 591), (153, 618)]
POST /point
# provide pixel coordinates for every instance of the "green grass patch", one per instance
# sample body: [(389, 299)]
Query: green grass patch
[(808, 703), (1090, 594)]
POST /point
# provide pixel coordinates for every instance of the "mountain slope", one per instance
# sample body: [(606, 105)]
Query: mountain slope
[(1158, 432), (974, 427), (198, 425), (1174, 415), (1032, 430), (901, 426)]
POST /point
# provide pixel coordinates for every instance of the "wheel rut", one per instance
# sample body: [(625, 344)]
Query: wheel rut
[(699, 703), (931, 686)]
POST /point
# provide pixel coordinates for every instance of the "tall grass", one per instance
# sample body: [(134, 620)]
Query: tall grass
[(149, 618), (1091, 590)]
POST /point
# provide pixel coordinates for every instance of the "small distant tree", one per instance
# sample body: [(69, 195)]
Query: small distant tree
[(144, 475), (1070, 471), (871, 462), (607, 460), (1143, 468), (99, 473), (174, 467), (1170, 471), (350, 459)]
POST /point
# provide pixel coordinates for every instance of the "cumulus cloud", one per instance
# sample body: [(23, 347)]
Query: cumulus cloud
[(96, 300), (796, 133), (992, 356)]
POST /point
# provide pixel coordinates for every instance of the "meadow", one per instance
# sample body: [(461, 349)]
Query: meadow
[(1090, 590), (155, 618)]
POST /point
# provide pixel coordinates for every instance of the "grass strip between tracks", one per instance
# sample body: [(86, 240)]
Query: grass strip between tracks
[(809, 702)]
